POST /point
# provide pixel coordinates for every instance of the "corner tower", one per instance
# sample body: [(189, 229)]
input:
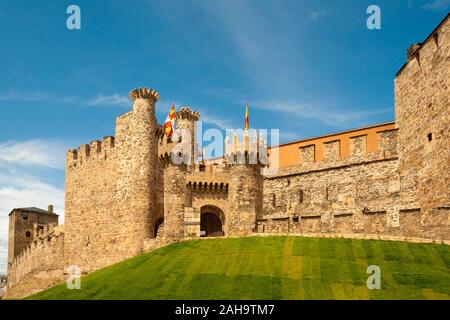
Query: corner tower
[(423, 117), (245, 160), (186, 119), (24, 225), (174, 163), (144, 150)]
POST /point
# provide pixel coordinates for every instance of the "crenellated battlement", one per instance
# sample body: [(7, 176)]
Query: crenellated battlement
[(144, 93), (248, 149), (167, 147), (207, 186), (386, 179), (209, 177), (45, 253), (187, 113), (43, 231), (97, 150)]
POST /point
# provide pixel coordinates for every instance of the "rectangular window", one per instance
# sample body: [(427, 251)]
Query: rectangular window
[(300, 196)]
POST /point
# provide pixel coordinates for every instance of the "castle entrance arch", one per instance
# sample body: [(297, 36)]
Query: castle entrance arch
[(212, 220)]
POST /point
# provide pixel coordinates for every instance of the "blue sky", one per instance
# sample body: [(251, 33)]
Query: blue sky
[(305, 67)]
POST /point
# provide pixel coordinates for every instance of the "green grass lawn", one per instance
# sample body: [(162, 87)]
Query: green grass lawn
[(271, 268)]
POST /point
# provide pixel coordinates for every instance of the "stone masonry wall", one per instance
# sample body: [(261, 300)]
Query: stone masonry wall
[(244, 197), (111, 204), (422, 107), (422, 99), (21, 222), (38, 266), (117, 189), (360, 194), (351, 199), (93, 198), (175, 200)]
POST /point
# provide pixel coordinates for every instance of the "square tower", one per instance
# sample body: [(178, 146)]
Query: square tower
[(24, 226)]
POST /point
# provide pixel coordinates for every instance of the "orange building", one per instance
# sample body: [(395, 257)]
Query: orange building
[(289, 153)]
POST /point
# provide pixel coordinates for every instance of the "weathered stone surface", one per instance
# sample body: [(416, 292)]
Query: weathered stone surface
[(125, 195)]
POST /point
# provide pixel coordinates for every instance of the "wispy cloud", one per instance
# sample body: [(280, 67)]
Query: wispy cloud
[(23, 192), (245, 26), (314, 15), (24, 96), (437, 5), (335, 117), (28, 191), (35, 96), (115, 100), (111, 100), (26, 171), (218, 121), (33, 153)]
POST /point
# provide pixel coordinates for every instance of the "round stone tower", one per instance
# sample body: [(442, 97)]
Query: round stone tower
[(186, 119), (144, 154), (175, 193), (245, 184)]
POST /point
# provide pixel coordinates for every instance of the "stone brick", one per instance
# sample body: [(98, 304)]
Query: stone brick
[(125, 194)]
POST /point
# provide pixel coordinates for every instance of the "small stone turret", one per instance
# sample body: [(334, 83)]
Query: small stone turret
[(144, 148), (186, 119), (245, 160), (175, 193)]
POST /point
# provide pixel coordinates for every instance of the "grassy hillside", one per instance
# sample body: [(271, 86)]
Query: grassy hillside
[(271, 268)]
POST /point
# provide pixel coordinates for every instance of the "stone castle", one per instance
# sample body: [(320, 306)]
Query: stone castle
[(125, 195)]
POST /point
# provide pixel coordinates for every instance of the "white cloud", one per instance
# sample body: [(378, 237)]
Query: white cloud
[(111, 100), (26, 171), (24, 96), (437, 5), (29, 192), (24, 192), (33, 153), (336, 117), (252, 37), (35, 96), (116, 100), (218, 121), (314, 15)]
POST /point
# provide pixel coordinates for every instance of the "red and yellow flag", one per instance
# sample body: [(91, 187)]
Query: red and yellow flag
[(246, 117), (169, 125)]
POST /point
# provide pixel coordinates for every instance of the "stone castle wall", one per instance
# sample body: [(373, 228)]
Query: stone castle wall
[(357, 194), (111, 198), (120, 188), (39, 265), (422, 107), (361, 194), (21, 222)]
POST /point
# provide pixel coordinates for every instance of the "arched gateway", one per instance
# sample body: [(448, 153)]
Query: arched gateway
[(212, 220)]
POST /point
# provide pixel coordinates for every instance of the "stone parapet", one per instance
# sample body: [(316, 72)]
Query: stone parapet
[(45, 254)]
